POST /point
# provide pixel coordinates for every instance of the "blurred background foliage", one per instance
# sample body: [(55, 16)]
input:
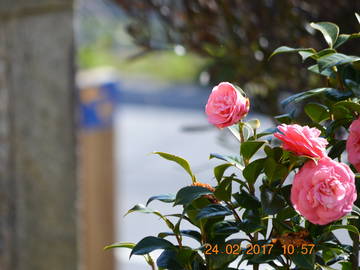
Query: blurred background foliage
[(227, 40), (238, 36)]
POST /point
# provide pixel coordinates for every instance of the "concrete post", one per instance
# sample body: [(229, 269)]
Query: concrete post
[(37, 136)]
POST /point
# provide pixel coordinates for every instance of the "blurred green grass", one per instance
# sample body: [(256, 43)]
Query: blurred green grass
[(161, 65)]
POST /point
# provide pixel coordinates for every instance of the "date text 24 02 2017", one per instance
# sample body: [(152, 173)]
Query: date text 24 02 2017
[(255, 249)]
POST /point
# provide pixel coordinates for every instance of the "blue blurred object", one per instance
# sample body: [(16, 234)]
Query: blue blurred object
[(97, 106)]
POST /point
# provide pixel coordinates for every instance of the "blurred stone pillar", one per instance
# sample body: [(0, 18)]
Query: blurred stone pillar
[(37, 136)]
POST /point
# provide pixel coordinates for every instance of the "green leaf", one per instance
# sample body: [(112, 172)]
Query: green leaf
[(337, 95), (182, 162), (335, 59), (327, 72), (120, 245), (329, 30), (220, 170), (350, 228), (249, 148), (253, 170), (149, 244), (271, 201), (231, 160), (226, 227), (317, 112), (235, 131), (285, 49), (286, 213), (346, 266), (213, 210), (274, 171), (306, 55), (354, 86), (344, 38), (337, 149), (167, 260), (187, 195), (304, 95), (356, 209), (304, 261), (224, 189), (247, 200), (167, 198), (142, 209), (188, 233), (352, 106), (323, 53), (357, 17), (251, 221), (285, 118)]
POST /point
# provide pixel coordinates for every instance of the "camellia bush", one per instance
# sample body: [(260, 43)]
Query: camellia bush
[(289, 188)]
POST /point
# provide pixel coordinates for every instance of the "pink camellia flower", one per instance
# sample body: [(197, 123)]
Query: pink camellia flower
[(226, 105), (353, 144), (303, 141), (323, 192)]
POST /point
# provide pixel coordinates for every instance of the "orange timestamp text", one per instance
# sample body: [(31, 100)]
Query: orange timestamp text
[(256, 249)]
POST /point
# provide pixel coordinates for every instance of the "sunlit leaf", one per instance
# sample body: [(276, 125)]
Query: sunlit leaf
[(329, 30)]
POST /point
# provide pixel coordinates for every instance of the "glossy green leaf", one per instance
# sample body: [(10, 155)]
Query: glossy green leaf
[(187, 195), (251, 221), (352, 106), (356, 209), (220, 170), (253, 170), (286, 213), (149, 244), (235, 161), (317, 112), (179, 160), (120, 245), (326, 72), (285, 118), (188, 233), (224, 189), (235, 131), (337, 149), (350, 228), (329, 30), (335, 59), (225, 227), (346, 266), (305, 55), (274, 171), (168, 260), (304, 95), (143, 209), (304, 261), (213, 210), (343, 38), (286, 49), (246, 200), (249, 148), (337, 95), (167, 198), (271, 201), (354, 86)]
